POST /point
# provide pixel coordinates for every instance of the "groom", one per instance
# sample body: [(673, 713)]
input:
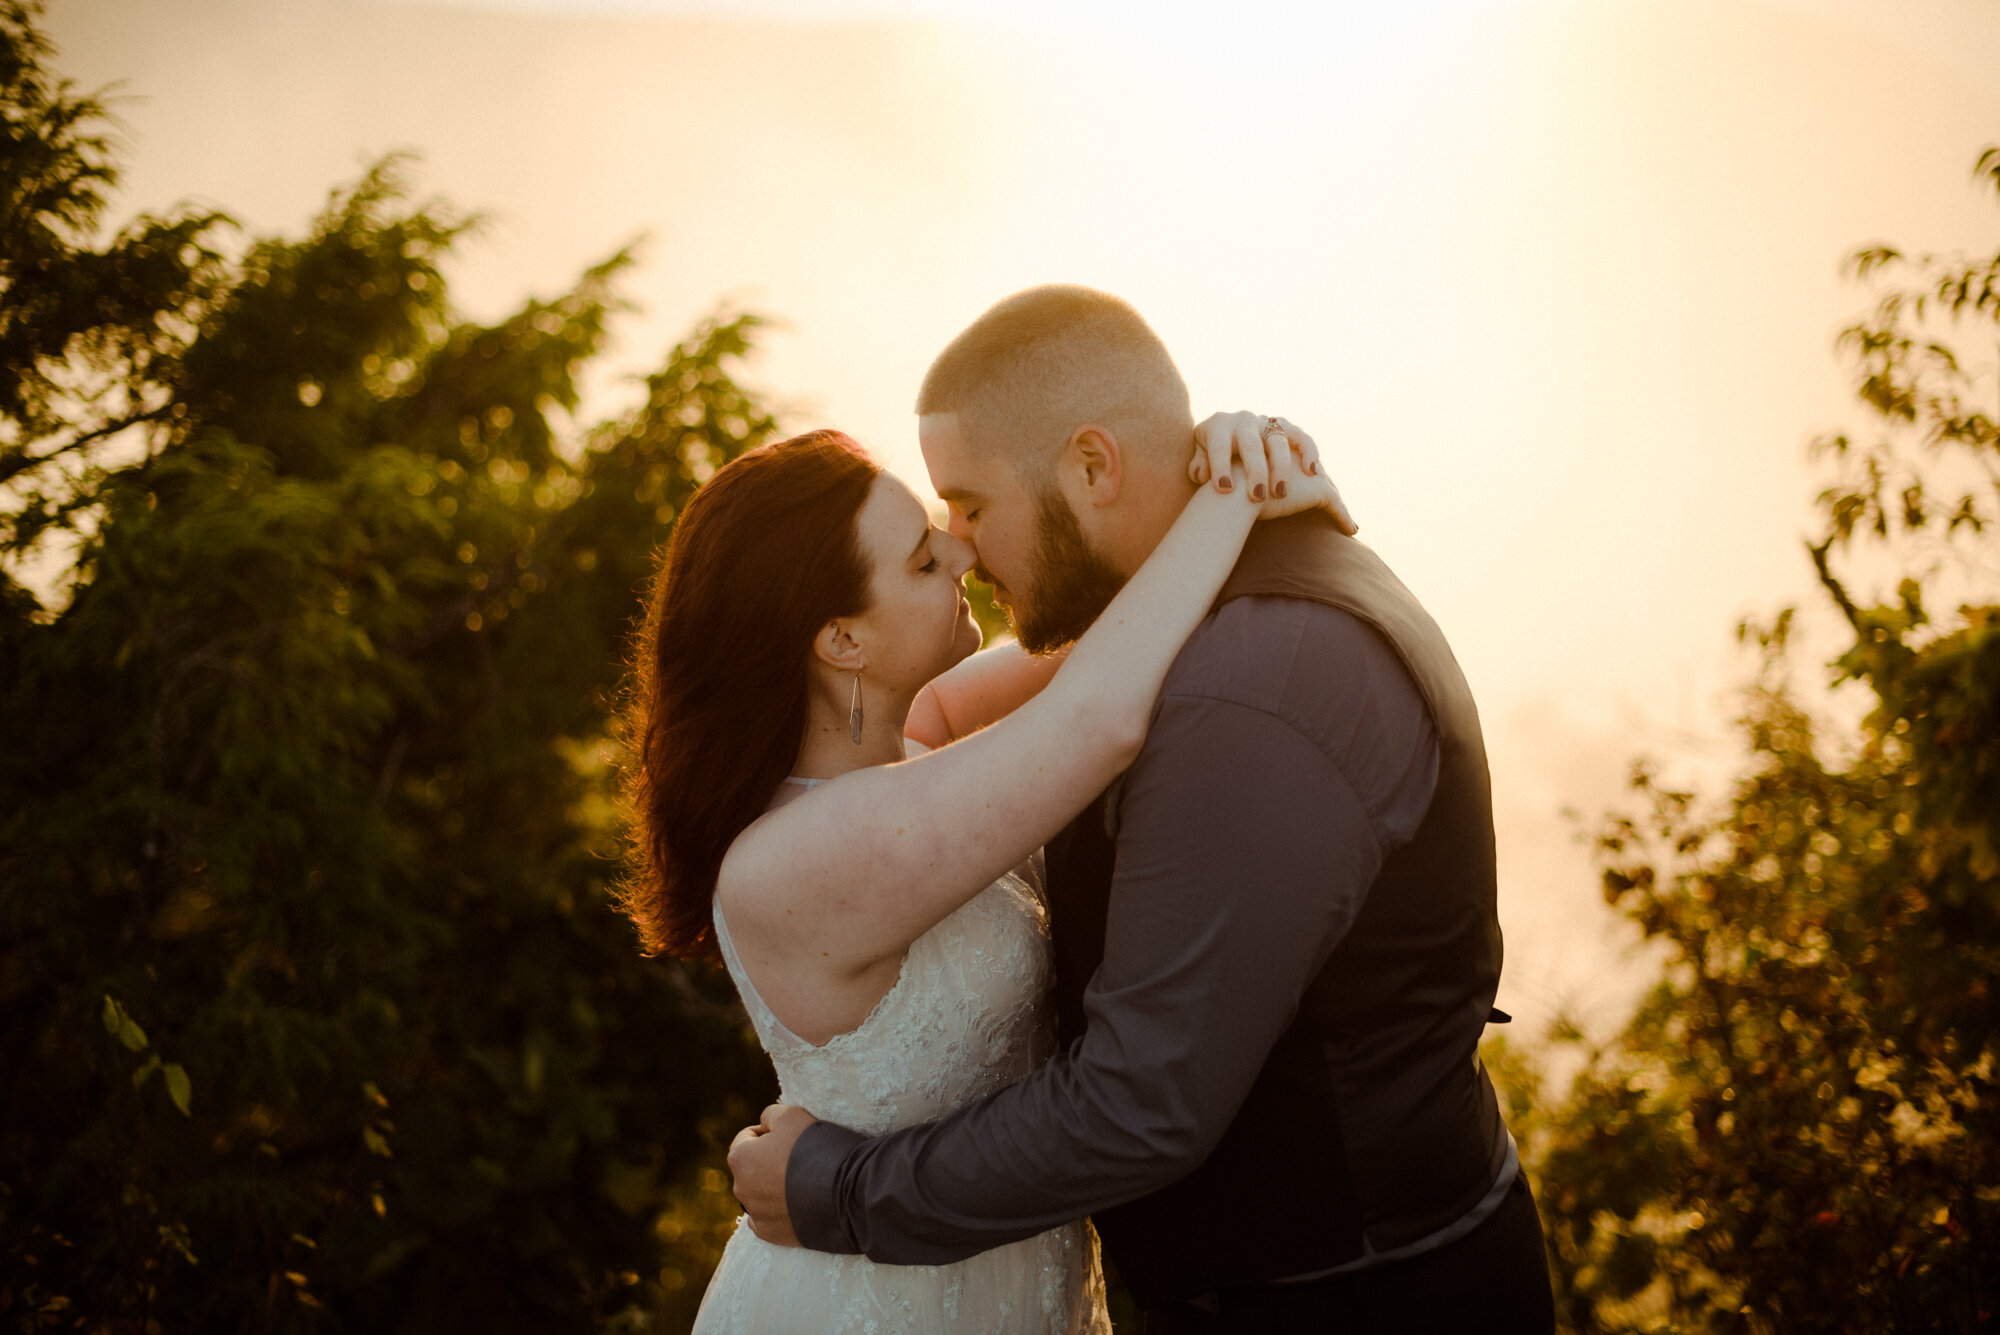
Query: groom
[(1275, 939)]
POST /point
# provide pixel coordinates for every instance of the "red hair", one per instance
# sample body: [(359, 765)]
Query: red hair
[(764, 555)]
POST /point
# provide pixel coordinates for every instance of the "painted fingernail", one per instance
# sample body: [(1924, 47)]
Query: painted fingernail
[(1312, 467), (1257, 492), (1224, 484), (1278, 490)]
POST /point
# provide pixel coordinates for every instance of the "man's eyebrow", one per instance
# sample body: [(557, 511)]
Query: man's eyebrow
[(957, 496)]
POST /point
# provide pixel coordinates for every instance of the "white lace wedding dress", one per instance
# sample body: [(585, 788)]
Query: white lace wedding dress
[(967, 1016)]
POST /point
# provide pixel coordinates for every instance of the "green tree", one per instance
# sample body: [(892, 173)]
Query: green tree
[(1800, 1128), (314, 1010)]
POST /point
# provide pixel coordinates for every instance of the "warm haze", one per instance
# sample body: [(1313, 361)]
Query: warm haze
[(1555, 285)]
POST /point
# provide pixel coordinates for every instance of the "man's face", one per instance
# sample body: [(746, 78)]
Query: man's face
[(1026, 541)]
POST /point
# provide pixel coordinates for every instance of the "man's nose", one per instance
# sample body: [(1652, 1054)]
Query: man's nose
[(954, 524), (963, 556)]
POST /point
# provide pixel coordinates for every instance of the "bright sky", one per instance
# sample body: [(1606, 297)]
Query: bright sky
[(1555, 285)]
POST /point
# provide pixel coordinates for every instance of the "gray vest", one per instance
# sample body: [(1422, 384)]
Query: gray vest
[(1373, 1111)]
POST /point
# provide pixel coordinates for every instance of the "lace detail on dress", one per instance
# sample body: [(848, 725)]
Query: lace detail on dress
[(966, 1016)]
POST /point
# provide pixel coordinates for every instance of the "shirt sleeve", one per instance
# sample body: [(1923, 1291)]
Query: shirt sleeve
[(1288, 756)]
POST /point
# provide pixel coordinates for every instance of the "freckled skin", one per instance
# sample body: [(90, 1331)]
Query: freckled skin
[(918, 621), (917, 624)]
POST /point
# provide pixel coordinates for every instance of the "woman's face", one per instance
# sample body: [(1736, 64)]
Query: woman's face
[(918, 622)]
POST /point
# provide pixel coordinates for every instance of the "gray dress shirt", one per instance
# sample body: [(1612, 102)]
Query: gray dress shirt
[(1288, 755)]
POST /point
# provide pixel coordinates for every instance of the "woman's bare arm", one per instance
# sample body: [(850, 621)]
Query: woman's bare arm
[(845, 877), (853, 871), (981, 691)]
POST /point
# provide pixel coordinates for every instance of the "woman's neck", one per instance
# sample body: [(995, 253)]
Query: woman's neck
[(829, 750)]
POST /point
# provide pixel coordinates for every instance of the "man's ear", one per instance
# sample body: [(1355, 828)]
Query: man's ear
[(1096, 465), (836, 647)]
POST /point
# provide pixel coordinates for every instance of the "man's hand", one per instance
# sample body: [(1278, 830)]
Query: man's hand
[(757, 1160)]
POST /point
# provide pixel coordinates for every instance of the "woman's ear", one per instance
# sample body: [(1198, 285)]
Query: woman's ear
[(836, 647), (1096, 464)]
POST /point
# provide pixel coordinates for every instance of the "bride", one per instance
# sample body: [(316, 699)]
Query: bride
[(877, 904)]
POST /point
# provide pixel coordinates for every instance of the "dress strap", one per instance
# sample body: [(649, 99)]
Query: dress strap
[(769, 1030)]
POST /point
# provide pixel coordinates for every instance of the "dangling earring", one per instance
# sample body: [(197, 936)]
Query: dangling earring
[(854, 712)]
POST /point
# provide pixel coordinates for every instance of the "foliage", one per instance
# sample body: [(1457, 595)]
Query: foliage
[(313, 1011), (1800, 1128), (990, 616), (90, 336)]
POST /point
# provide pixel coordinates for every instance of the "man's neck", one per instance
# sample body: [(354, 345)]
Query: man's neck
[(1155, 507)]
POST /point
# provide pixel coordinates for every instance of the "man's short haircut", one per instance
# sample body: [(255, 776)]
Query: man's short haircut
[(1041, 363)]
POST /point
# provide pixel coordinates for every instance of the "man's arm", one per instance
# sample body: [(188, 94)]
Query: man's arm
[(1250, 829)]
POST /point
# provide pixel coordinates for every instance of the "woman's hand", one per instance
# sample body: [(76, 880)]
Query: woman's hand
[(1278, 463)]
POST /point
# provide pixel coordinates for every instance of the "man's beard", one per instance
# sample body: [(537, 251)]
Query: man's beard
[(1072, 582)]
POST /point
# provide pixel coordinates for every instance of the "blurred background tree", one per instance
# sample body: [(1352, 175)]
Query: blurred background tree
[(314, 1013), (1800, 1128)]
